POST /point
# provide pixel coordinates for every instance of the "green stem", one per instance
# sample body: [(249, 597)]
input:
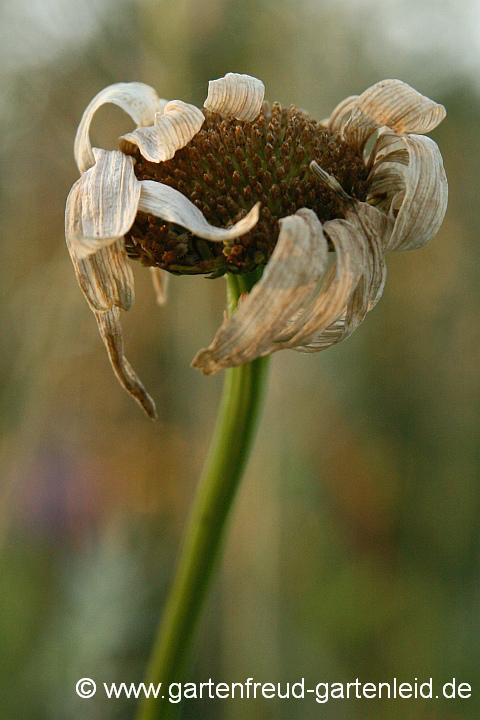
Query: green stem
[(233, 439)]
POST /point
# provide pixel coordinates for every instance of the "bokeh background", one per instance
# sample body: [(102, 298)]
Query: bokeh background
[(353, 548)]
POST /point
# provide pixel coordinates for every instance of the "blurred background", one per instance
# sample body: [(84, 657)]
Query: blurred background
[(353, 548)]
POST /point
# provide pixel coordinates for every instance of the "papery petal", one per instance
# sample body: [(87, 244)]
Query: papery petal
[(109, 194), (337, 119), (426, 196), (297, 263), (174, 128), (372, 229), (385, 144), (167, 203), (105, 276), (140, 101), (395, 104), (160, 280), (112, 336), (386, 183), (235, 95), (337, 288)]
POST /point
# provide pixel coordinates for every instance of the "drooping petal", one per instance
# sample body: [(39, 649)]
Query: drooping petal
[(105, 277), (235, 95), (107, 202), (369, 227), (160, 280), (112, 336), (395, 104), (386, 183), (426, 196), (174, 128), (167, 203), (336, 120), (337, 288), (140, 101), (387, 141), (297, 263)]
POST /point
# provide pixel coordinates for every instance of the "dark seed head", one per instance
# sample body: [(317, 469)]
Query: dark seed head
[(228, 167)]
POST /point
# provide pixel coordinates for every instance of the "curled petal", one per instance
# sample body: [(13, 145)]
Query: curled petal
[(377, 229), (337, 288), (395, 104), (426, 196), (106, 203), (336, 120), (384, 186), (238, 96), (112, 336), (344, 326), (371, 228), (167, 203), (400, 156), (174, 128), (105, 276), (160, 284), (386, 141), (297, 263), (140, 101)]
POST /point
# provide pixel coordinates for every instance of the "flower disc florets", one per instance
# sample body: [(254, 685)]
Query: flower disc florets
[(230, 165)]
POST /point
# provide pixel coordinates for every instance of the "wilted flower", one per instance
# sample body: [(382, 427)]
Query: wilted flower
[(243, 184)]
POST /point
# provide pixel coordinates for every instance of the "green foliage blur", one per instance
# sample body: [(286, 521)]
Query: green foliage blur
[(353, 548)]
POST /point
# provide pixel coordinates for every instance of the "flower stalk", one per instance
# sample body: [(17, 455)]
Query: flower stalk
[(234, 434)]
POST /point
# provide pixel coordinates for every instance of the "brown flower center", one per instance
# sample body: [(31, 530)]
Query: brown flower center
[(229, 166)]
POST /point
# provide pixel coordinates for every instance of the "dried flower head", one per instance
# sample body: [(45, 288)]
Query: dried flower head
[(243, 184)]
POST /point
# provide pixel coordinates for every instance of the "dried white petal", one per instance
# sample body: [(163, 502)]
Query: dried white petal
[(371, 228), (386, 141), (297, 263), (160, 280), (386, 184), (167, 203), (426, 196), (112, 336), (337, 288), (336, 121), (109, 199), (235, 95), (105, 277), (395, 104), (174, 128), (140, 101)]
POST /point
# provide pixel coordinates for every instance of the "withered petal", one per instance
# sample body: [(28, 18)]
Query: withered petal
[(371, 228), (426, 195), (173, 129), (386, 183), (112, 335), (140, 101), (167, 203), (337, 288), (296, 265), (395, 104), (235, 95), (386, 142), (105, 276), (107, 203), (160, 280), (337, 119)]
